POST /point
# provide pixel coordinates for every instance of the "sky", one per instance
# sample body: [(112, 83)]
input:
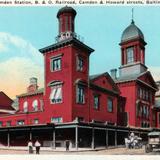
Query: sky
[(24, 30)]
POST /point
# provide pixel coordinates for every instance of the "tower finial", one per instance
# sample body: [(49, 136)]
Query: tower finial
[(132, 22)]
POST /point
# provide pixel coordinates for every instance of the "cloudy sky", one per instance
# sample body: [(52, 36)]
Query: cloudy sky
[(24, 30)]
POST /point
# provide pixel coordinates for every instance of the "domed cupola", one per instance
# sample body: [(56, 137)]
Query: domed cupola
[(132, 51), (66, 16), (131, 32)]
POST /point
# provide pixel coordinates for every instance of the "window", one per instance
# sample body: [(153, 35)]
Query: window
[(96, 102), (110, 105), (138, 110), (140, 93), (79, 64), (36, 121), (80, 119), (20, 122), (35, 105), (144, 94), (25, 106), (56, 64), (1, 123), (80, 95), (8, 123), (147, 95), (145, 111), (56, 94), (130, 57), (56, 120)]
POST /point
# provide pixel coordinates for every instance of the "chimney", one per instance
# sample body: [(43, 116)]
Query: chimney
[(32, 85), (113, 73)]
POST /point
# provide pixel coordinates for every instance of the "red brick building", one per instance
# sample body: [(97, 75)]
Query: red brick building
[(88, 110), (135, 82)]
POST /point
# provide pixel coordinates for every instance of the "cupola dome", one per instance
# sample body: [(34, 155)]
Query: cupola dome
[(131, 32)]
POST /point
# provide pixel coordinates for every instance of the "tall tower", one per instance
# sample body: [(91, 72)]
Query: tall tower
[(66, 72), (132, 51), (66, 16)]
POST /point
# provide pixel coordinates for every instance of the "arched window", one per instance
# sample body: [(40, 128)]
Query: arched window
[(56, 91), (56, 94), (35, 105), (25, 106), (130, 56)]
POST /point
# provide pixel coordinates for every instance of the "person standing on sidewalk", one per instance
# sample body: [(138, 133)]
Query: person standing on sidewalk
[(30, 147), (37, 145)]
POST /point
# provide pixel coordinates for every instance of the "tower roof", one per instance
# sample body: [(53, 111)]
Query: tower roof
[(66, 9), (131, 32)]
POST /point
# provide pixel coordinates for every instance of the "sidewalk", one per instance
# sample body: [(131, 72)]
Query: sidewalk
[(49, 149)]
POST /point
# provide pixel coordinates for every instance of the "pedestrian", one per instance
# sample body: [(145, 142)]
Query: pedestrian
[(30, 147), (67, 145), (37, 145)]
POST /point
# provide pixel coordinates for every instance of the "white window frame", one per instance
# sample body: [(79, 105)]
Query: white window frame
[(130, 55), (96, 102), (8, 123), (80, 91), (56, 119), (35, 105), (56, 94), (58, 61), (110, 110), (36, 121), (80, 63), (20, 122), (25, 106)]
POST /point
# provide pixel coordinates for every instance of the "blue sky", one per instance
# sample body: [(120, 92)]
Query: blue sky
[(24, 30)]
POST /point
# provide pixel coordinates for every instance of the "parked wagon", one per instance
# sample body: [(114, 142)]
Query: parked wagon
[(153, 141)]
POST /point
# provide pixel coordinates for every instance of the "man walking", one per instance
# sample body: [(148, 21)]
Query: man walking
[(37, 145)]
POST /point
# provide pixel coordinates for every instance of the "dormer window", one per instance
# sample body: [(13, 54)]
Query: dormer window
[(25, 106), (35, 105), (130, 55)]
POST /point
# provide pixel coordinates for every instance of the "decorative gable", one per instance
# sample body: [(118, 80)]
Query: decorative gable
[(105, 81), (148, 80)]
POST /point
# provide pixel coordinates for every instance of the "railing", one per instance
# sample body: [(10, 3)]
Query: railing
[(67, 35)]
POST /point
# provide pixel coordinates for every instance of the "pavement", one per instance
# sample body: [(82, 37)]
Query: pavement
[(80, 151)]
